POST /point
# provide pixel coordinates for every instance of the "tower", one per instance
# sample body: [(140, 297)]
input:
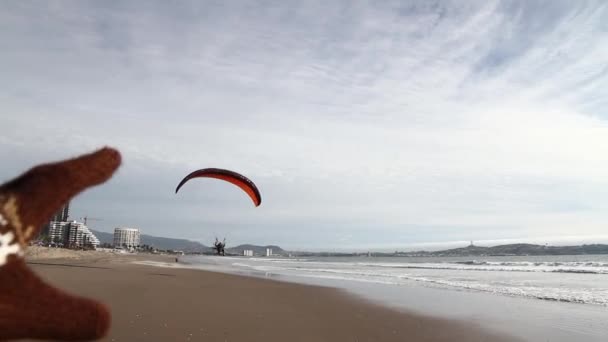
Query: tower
[(60, 216), (63, 214)]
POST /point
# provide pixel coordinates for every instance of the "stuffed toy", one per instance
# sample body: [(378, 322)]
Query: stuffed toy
[(29, 307)]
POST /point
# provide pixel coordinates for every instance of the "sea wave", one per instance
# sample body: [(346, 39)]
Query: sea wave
[(583, 296), (551, 267), (530, 263)]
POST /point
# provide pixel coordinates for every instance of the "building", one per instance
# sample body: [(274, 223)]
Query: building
[(247, 252), (58, 231), (79, 235), (60, 216), (72, 234), (268, 252), (124, 237), (63, 214)]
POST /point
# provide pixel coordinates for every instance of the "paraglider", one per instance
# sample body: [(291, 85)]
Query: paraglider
[(219, 246), (229, 176)]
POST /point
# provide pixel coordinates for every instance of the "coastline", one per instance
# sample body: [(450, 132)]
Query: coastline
[(149, 303), (528, 318)]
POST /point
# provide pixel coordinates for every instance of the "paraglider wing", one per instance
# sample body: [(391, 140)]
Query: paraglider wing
[(229, 176)]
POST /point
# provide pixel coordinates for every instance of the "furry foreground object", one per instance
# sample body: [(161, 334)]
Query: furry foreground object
[(30, 308)]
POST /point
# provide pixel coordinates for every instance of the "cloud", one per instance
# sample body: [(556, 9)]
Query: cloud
[(407, 122)]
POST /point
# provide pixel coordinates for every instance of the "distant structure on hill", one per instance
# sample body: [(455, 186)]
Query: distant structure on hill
[(126, 237), (268, 252), (248, 252), (257, 249)]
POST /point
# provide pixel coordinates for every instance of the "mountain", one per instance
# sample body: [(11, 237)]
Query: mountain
[(517, 249), (473, 251), (188, 245), (174, 244), (103, 236), (259, 250), (159, 242)]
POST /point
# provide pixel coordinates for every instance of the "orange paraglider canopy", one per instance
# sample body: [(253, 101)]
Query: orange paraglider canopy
[(229, 176)]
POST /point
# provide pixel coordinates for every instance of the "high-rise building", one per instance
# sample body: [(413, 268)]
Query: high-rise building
[(72, 234), (60, 216), (126, 237), (268, 252), (63, 214), (79, 235), (58, 231)]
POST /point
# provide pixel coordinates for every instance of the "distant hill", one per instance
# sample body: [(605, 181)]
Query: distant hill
[(174, 244), (160, 242), (103, 236), (260, 250), (472, 251), (188, 245), (517, 249)]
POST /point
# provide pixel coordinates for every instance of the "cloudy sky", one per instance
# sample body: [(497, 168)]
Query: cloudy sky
[(364, 124)]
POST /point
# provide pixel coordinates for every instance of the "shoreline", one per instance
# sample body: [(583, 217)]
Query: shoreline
[(528, 319), (171, 303)]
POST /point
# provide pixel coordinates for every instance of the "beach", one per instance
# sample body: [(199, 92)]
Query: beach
[(178, 304), (542, 298)]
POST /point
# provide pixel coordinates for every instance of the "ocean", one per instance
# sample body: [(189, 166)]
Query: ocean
[(578, 279), (549, 298)]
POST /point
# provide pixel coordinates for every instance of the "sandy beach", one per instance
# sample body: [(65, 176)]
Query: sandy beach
[(171, 304)]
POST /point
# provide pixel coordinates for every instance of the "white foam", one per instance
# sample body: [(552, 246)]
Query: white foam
[(539, 280), (569, 267), (588, 296), (160, 264)]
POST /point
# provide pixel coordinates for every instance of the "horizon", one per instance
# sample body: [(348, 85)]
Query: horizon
[(425, 246), (363, 125)]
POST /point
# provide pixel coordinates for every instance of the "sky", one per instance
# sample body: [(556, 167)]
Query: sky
[(365, 125)]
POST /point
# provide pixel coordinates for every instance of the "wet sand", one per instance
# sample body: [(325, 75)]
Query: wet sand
[(170, 304)]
